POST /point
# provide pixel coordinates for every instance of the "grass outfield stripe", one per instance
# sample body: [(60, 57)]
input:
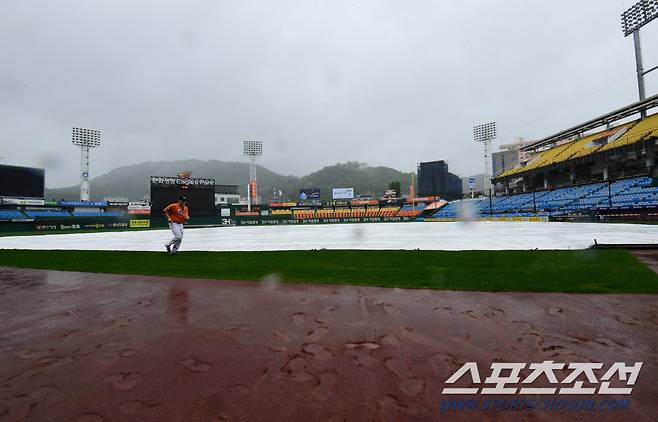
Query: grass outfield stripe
[(582, 271)]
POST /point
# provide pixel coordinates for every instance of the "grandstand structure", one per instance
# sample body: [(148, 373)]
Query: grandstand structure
[(357, 212), (602, 168), (16, 210), (576, 156), (355, 209)]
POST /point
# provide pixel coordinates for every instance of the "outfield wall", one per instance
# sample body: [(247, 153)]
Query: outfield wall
[(72, 224), (286, 220), (525, 219), (63, 225)]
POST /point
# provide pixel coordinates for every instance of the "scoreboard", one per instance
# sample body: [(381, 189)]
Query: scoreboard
[(21, 182), (200, 194)]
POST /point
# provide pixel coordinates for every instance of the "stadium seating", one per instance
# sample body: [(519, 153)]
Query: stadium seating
[(47, 214), (625, 134), (634, 192), (565, 198), (587, 146), (411, 210), (281, 212), (15, 214), (465, 208), (388, 211), (358, 212), (325, 213), (344, 212), (638, 132), (372, 212), (304, 214), (624, 193), (96, 214), (11, 215)]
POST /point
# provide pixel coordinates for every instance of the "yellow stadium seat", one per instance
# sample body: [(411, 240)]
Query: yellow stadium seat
[(638, 132)]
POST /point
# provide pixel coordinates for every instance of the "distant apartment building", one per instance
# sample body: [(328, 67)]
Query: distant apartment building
[(509, 156), (226, 194)]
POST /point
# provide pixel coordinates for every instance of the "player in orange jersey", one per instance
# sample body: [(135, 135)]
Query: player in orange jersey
[(177, 214)]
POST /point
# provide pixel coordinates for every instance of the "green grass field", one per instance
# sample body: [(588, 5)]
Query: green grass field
[(583, 271)]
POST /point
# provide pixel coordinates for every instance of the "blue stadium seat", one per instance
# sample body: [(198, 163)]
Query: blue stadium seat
[(95, 214), (11, 215), (47, 214), (625, 193)]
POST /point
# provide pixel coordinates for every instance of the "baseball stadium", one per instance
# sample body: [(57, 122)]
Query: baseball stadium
[(341, 304)]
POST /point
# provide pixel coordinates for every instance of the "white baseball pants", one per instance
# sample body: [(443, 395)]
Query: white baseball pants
[(177, 231)]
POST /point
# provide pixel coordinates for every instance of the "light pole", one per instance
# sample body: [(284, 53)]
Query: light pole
[(638, 15), (252, 149), (486, 133), (85, 138)]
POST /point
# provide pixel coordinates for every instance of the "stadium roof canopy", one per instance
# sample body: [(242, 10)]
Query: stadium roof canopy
[(611, 117)]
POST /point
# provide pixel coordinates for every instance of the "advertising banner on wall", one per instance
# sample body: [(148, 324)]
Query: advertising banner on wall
[(139, 205), (309, 194), (16, 201), (342, 193), (176, 181), (117, 204), (83, 203), (282, 204), (365, 202)]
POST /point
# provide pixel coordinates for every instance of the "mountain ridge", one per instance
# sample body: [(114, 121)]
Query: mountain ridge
[(132, 181)]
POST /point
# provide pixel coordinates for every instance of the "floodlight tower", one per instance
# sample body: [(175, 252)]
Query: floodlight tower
[(252, 149), (640, 14), (486, 133), (85, 138)]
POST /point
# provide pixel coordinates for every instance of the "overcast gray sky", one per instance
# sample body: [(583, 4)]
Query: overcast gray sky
[(383, 82)]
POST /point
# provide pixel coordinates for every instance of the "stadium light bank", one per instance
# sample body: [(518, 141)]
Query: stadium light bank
[(252, 149), (638, 15), (486, 133), (85, 138)]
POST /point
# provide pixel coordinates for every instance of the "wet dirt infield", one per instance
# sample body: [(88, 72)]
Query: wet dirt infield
[(95, 347)]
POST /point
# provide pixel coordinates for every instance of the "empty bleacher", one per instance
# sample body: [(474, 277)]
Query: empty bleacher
[(411, 210), (565, 199), (606, 140), (465, 208), (641, 130), (96, 214), (631, 192), (358, 212), (343, 212), (304, 214), (325, 213), (388, 211), (47, 214), (11, 215), (625, 193), (281, 212)]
